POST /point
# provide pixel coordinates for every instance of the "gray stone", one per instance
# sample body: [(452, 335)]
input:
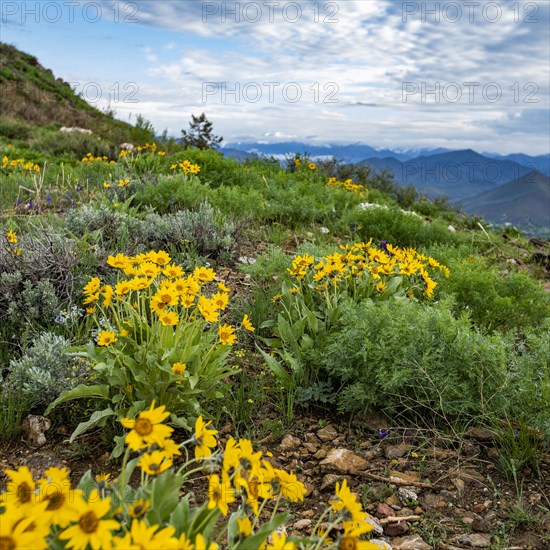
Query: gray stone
[(289, 443), (475, 540), (328, 433), (343, 461), (396, 529), (34, 427), (411, 542), (397, 451)]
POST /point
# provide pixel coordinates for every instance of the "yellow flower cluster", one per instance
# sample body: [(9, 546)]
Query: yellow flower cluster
[(121, 183), (161, 290), (40, 513), (148, 146), (11, 237), (243, 472), (348, 185), (186, 167), (362, 259), (20, 165), (49, 512), (89, 159)]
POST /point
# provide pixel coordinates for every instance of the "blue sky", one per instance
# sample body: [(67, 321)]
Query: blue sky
[(389, 73)]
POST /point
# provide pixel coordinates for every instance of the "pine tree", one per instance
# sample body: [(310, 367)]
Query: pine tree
[(200, 134)]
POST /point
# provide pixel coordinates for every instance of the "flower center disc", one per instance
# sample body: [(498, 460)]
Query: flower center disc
[(347, 543), (7, 543), (56, 501), (24, 492), (89, 522), (143, 426)]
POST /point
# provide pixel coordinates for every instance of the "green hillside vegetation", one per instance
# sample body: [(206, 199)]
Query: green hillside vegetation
[(256, 296), (524, 201), (35, 104)]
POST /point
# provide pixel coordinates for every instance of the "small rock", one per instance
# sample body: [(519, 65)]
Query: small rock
[(480, 434), (343, 461), (396, 529), (34, 427), (383, 510), (308, 513), (407, 495), (376, 527), (320, 454), (324, 230), (478, 508), (302, 524), (311, 448), (311, 438), (475, 540), (480, 525), (382, 544), (430, 500), (397, 451), (459, 484), (394, 502), (329, 481), (469, 475), (328, 433), (411, 542), (289, 443)]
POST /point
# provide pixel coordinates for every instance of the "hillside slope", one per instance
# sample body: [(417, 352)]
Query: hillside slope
[(522, 201), (33, 96)]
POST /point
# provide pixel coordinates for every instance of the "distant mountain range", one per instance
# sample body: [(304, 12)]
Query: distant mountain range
[(456, 174), (350, 154), (358, 152), (512, 188), (522, 202)]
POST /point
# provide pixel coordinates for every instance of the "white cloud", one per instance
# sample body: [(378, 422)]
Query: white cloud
[(362, 60)]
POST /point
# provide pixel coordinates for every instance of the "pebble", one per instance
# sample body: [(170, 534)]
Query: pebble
[(290, 443)]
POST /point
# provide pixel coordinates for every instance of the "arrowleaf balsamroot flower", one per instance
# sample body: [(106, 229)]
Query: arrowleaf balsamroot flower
[(106, 338), (155, 463), (220, 494), (90, 527), (227, 334), (204, 439), (57, 493), (147, 428), (204, 274), (348, 542), (247, 324), (169, 319), (20, 489), (19, 529)]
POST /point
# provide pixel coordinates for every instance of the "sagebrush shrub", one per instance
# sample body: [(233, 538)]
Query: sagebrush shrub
[(203, 230), (45, 370)]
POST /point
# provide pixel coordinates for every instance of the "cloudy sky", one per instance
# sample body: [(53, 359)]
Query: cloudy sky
[(388, 73)]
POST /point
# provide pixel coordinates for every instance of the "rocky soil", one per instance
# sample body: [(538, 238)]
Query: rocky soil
[(423, 490)]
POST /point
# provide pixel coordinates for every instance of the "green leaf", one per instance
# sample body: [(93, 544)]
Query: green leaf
[(98, 417), (274, 366), (165, 494), (261, 535), (80, 392)]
